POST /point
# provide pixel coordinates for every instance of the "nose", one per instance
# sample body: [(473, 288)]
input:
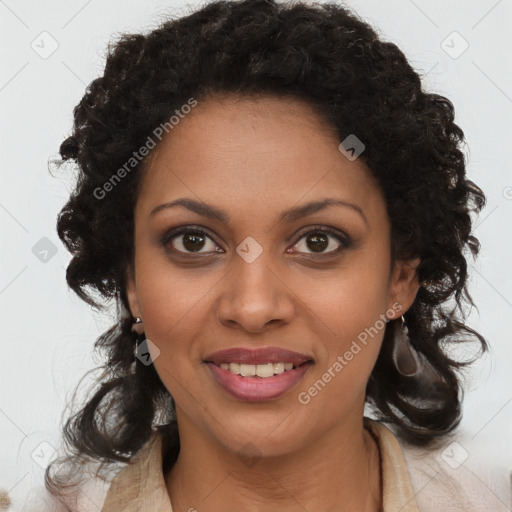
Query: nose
[(253, 296)]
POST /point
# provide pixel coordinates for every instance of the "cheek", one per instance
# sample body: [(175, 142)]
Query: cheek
[(170, 297), (351, 298), (351, 304), (175, 306), (348, 350), (174, 310)]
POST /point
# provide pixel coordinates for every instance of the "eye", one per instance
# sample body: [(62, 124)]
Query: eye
[(320, 238), (189, 240)]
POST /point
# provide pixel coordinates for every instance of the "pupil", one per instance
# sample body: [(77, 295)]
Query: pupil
[(189, 241), (320, 242)]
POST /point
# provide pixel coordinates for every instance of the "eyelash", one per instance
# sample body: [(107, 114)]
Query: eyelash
[(342, 238)]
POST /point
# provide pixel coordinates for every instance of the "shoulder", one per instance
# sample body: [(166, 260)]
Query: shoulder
[(87, 495), (452, 477), (94, 489), (139, 485)]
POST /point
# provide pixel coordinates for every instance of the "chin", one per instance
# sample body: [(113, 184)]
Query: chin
[(261, 439)]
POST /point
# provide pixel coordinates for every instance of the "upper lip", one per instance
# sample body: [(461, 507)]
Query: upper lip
[(257, 356)]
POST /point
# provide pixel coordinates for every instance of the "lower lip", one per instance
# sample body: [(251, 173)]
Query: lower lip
[(256, 389)]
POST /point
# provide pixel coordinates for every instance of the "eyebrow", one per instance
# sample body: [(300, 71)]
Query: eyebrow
[(293, 214)]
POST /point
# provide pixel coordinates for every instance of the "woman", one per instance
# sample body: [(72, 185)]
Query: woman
[(281, 213)]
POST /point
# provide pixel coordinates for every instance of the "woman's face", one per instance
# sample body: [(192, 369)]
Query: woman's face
[(259, 278)]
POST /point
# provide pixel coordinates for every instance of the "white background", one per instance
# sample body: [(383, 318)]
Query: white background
[(48, 333)]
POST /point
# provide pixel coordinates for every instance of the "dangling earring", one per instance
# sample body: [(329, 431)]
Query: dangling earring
[(405, 357), (140, 334)]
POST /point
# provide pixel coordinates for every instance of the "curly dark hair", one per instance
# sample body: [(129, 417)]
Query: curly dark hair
[(323, 54)]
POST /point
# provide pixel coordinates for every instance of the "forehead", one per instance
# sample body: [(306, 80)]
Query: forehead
[(265, 153)]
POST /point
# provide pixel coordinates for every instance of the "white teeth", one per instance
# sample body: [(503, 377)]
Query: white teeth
[(278, 368), (247, 370), (260, 370), (265, 370)]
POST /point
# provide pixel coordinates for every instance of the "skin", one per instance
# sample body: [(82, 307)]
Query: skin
[(255, 158)]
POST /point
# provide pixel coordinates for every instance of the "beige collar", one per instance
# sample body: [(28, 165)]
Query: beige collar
[(397, 490)]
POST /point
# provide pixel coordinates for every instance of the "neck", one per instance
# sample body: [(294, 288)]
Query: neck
[(339, 472)]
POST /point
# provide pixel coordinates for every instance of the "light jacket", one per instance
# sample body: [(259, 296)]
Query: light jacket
[(413, 480)]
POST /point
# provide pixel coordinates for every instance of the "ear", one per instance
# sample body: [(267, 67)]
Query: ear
[(131, 292), (404, 285)]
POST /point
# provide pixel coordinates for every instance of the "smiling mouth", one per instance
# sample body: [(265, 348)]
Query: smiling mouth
[(258, 382), (263, 371)]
